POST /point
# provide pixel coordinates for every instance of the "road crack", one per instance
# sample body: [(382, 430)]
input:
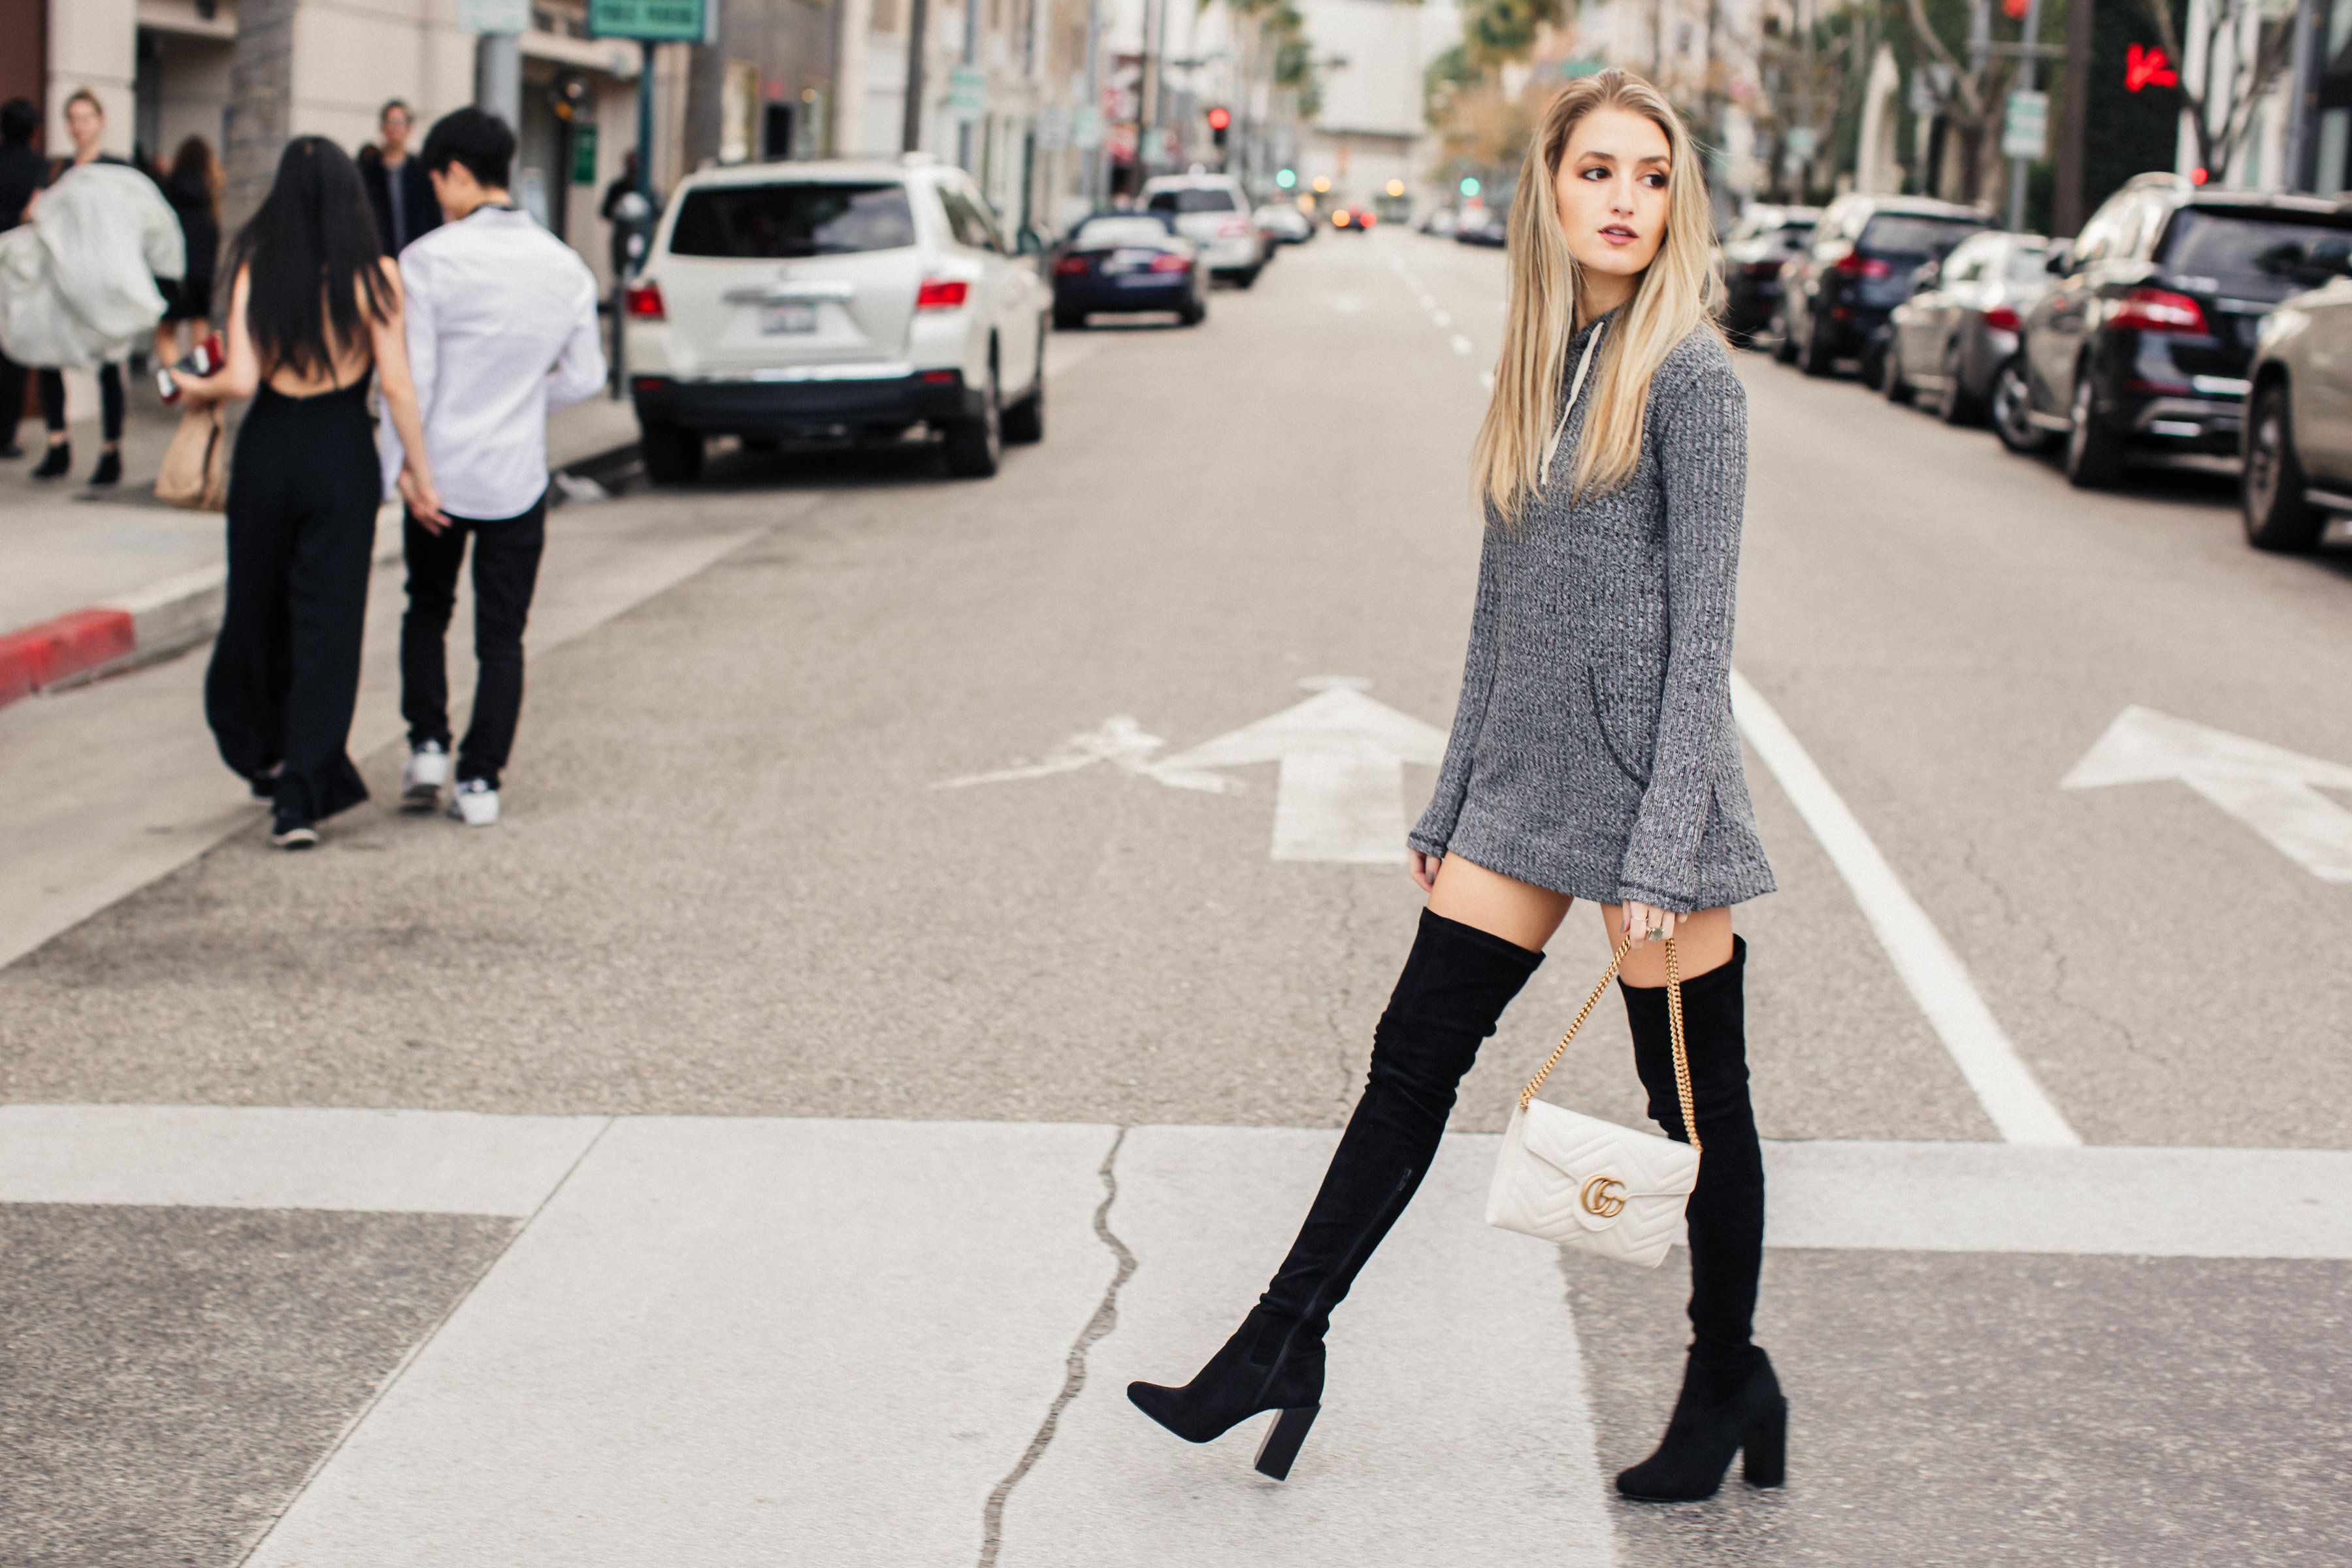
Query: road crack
[(1074, 1378)]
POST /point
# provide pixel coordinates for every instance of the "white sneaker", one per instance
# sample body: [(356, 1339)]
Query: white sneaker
[(427, 773), (474, 803)]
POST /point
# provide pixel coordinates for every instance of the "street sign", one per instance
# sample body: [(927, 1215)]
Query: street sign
[(2025, 126), (1054, 126), (653, 21), (967, 93), (1086, 127), (2272, 790), (584, 154), (510, 18)]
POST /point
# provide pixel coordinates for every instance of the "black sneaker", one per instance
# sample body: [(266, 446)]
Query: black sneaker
[(58, 464), (108, 470), (292, 833), (10, 451)]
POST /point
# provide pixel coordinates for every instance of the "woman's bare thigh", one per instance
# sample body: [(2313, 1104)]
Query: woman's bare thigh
[(1519, 912), (1702, 942)]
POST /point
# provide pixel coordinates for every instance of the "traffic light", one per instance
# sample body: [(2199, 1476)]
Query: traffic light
[(1396, 187), (1220, 118), (1286, 178), (1470, 184)]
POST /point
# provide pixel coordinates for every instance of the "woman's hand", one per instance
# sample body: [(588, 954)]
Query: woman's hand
[(416, 492), (1641, 919), (1423, 868)]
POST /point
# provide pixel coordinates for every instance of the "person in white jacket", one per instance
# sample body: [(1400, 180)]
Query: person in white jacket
[(501, 328), (78, 282)]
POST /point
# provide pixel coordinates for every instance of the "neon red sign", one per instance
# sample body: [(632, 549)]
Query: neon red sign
[(2147, 67)]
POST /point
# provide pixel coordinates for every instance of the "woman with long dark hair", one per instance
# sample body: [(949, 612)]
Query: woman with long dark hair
[(193, 186), (314, 309), (1593, 757)]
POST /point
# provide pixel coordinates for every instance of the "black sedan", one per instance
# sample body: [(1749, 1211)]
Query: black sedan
[(1764, 240), (1124, 263), (1836, 296)]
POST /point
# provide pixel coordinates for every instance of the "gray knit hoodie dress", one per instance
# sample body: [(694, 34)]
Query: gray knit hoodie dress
[(1593, 751)]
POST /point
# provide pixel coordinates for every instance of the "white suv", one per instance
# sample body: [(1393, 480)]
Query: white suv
[(836, 299), (1212, 211)]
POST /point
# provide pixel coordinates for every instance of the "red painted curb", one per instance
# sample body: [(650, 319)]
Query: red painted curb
[(43, 655)]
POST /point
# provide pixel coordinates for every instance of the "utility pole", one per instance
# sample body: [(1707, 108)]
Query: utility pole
[(2310, 58), (2029, 62), (971, 58), (910, 136), (1095, 195), (2066, 216), (498, 77)]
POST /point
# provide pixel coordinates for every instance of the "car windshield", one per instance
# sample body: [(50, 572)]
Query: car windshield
[(2268, 250), (1906, 234), (1209, 200), (2027, 264), (1121, 231), (770, 222)]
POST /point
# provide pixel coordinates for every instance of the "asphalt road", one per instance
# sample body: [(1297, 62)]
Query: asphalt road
[(730, 883)]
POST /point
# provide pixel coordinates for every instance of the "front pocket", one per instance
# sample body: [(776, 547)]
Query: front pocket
[(1641, 779)]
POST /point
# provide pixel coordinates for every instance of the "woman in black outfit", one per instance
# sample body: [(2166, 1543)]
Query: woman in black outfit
[(314, 309), (194, 189)]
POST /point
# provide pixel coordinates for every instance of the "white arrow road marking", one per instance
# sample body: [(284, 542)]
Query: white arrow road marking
[(1121, 743), (2268, 788), (1341, 794), (1931, 970)]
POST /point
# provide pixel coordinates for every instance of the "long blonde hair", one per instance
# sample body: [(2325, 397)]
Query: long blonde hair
[(1675, 297)]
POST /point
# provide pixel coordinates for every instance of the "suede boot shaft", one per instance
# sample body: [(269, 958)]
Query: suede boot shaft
[(1725, 1214)]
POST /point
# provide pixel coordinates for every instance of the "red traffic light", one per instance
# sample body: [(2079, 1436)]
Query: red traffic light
[(1219, 117), (2147, 67)]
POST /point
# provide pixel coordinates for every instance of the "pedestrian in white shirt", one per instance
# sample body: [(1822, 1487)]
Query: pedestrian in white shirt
[(501, 329)]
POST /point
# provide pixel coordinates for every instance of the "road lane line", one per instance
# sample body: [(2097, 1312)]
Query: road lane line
[(1937, 980)]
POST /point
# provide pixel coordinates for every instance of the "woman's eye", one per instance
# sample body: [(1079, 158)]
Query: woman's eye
[(1596, 173)]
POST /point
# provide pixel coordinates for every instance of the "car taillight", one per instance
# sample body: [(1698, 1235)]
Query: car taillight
[(941, 294), (1070, 266), (645, 302), (2001, 318), (1854, 264), (1168, 262), (2158, 311)]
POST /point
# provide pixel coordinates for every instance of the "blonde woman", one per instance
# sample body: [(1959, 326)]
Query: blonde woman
[(1592, 757)]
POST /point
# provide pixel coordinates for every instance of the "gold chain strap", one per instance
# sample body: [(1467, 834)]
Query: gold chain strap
[(1673, 1015)]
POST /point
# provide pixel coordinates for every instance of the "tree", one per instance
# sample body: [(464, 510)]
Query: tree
[(1971, 97), (2235, 80)]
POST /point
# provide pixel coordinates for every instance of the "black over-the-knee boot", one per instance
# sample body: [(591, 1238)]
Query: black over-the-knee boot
[(1453, 990), (1730, 1399)]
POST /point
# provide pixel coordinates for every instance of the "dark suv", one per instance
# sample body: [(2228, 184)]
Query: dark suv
[(1835, 297), (2146, 338)]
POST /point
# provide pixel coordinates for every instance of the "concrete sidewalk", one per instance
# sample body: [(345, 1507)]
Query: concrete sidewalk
[(91, 579)]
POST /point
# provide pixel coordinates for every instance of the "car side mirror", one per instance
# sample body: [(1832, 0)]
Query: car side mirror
[(2061, 257), (1030, 242), (1927, 277)]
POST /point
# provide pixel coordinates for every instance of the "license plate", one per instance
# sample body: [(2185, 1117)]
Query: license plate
[(1129, 260), (788, 316)]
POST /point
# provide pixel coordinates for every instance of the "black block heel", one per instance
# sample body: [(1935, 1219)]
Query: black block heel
[(1275, 1455), (1764, 1460)]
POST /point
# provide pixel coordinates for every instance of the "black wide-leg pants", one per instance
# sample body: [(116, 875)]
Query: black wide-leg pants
[(285, 673)]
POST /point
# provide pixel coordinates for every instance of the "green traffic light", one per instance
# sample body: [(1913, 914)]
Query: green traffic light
[(1286, 178), (1469, 185)]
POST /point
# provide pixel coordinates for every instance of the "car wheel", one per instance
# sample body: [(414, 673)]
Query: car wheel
[(1247, 277), (974, 446), (2270, 480), (1784, 347), (1953, 405), (1890, 374), (1193, 315), (672, 456), (1069, 321), (1026, 421), (1814, 358), (2094, 453), (2012, 404)]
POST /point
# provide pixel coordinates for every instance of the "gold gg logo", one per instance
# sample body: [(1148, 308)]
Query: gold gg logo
[(1600, 1197)]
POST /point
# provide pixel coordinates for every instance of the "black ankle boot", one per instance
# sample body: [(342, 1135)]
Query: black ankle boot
[(1451, 993), (58, 464), (108, 470), (1721, 1411)]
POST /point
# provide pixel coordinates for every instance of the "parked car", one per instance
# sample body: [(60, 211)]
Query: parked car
[(1484, 226), (1836, 296), (1759, 244), (2298, 447), (1286, 223), (1127, 262), (1440, 222), (2145, 340), (1354, 219), (1212, 211), (834, 298), (1961, 326)]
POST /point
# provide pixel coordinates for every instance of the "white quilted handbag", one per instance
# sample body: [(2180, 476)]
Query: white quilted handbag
[(1582, 1181)]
